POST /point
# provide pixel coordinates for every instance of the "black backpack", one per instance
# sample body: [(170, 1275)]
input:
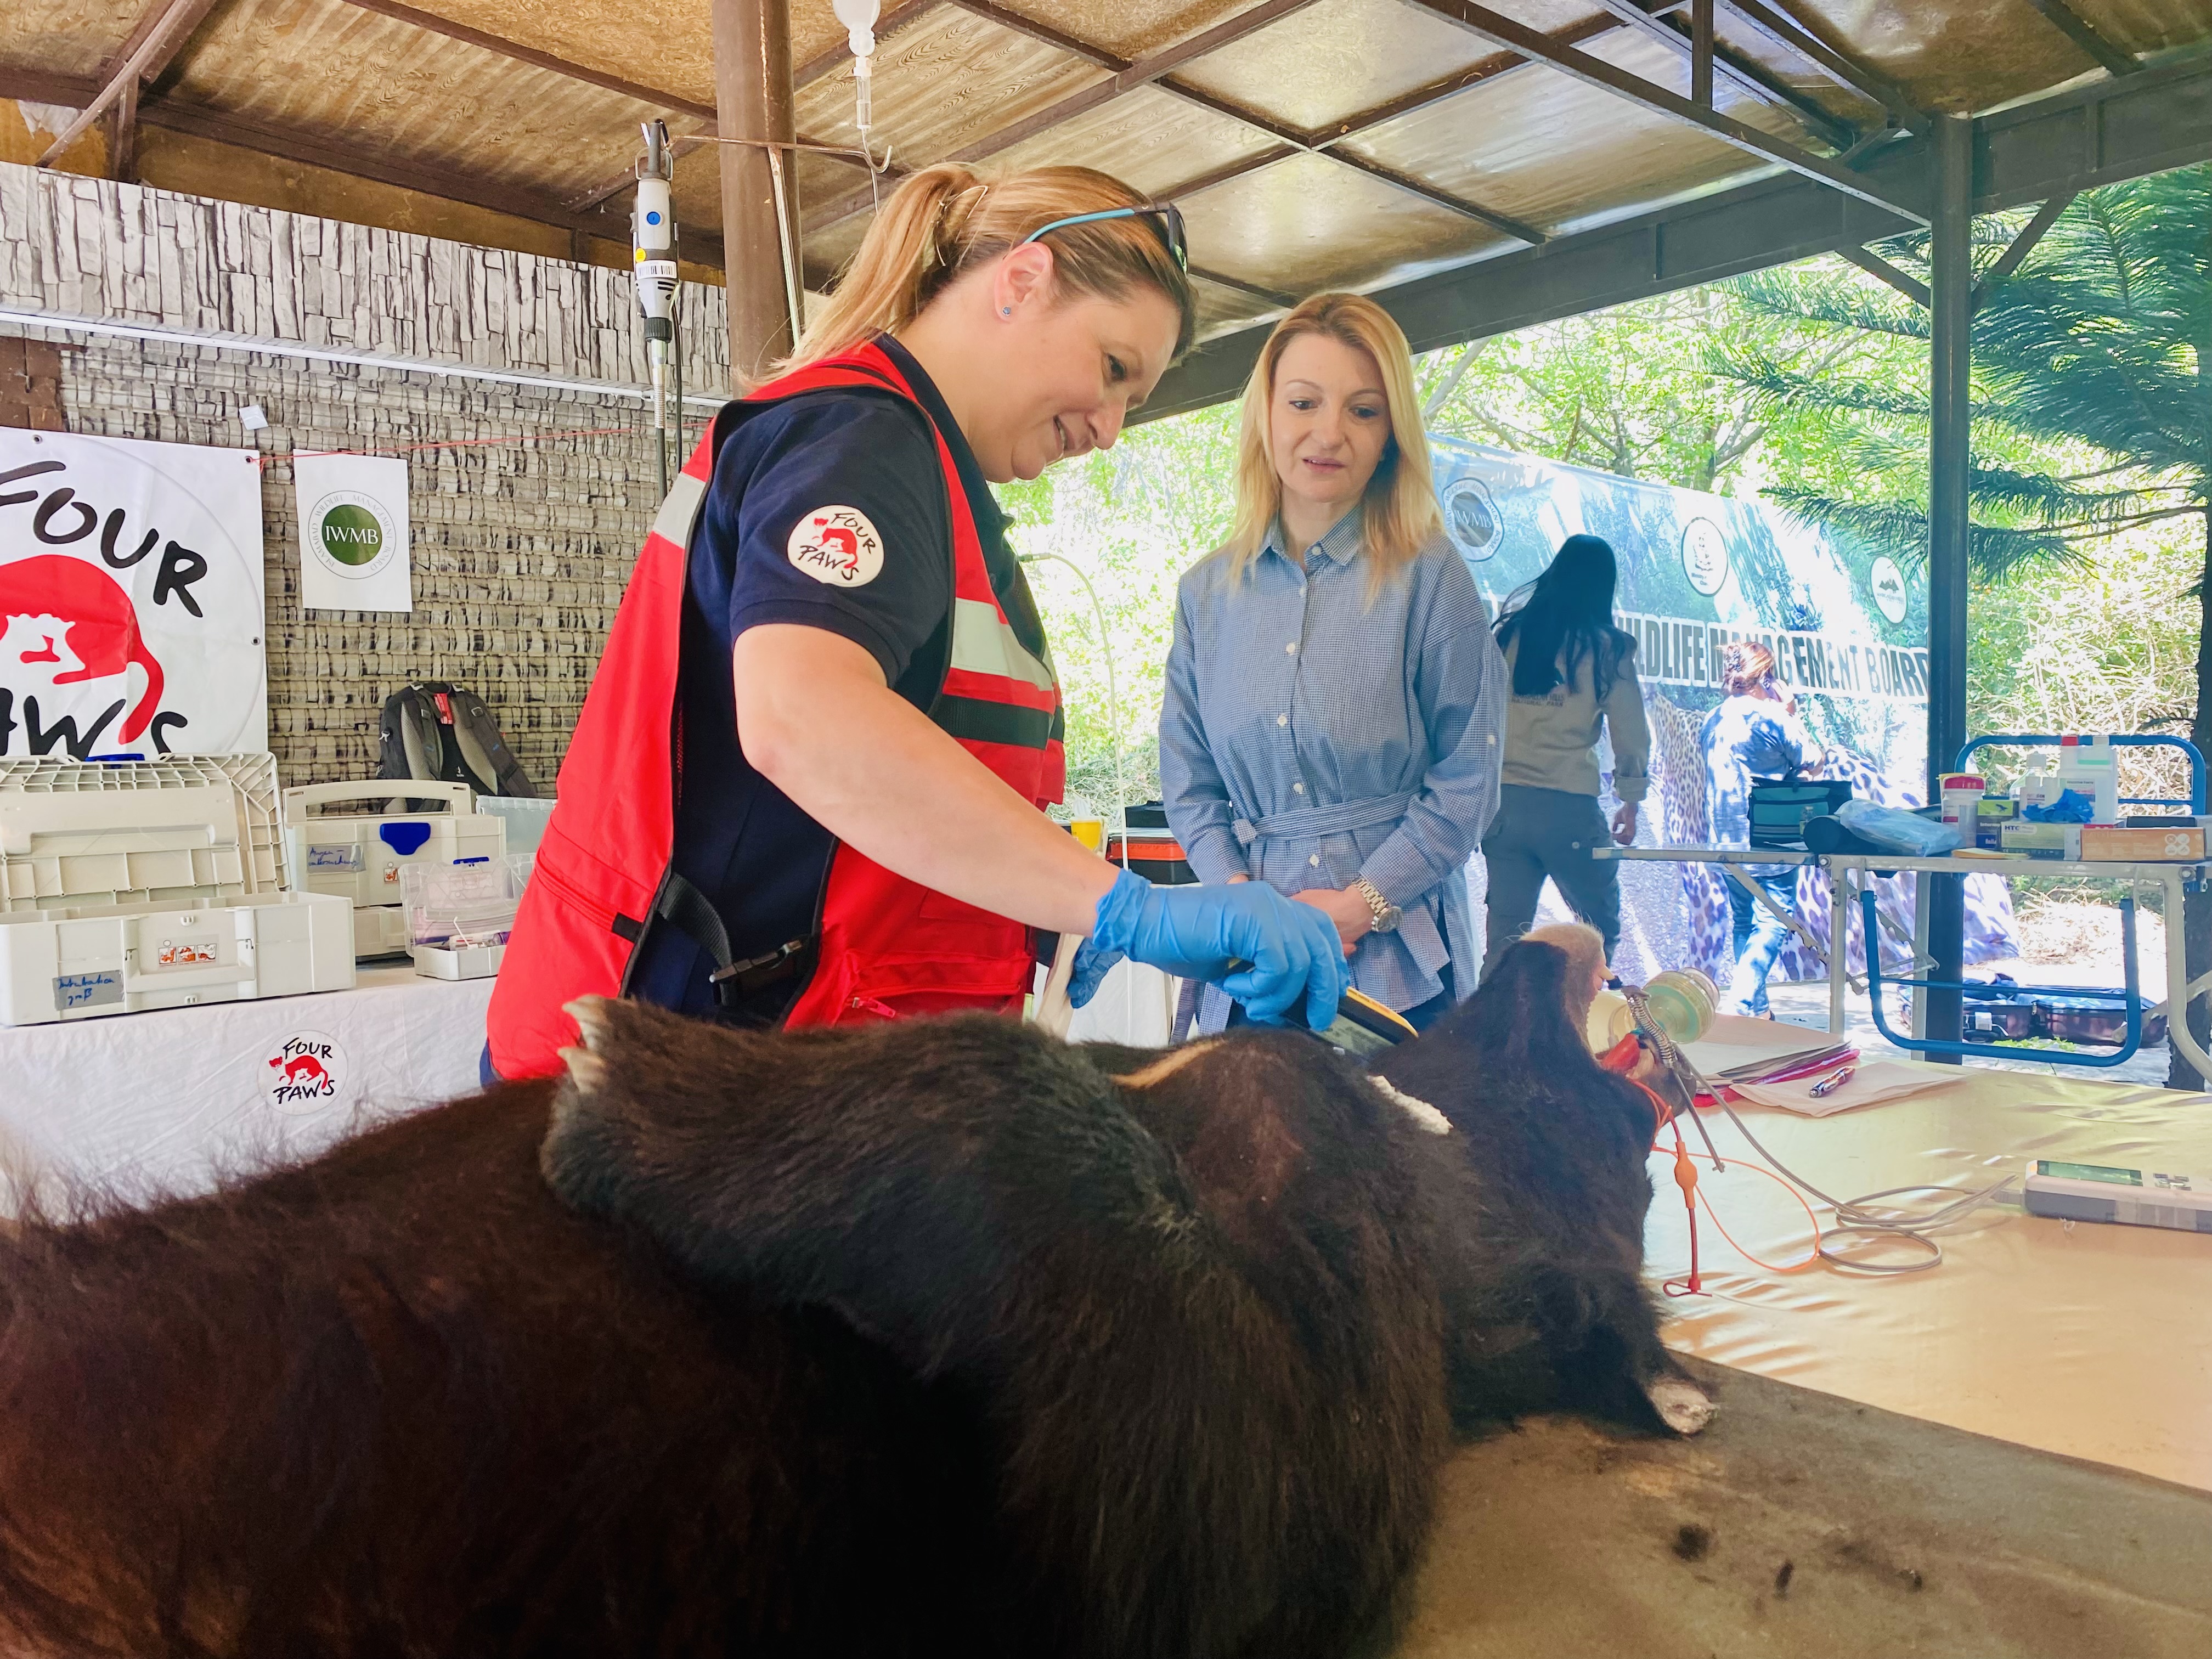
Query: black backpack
[(435, 730)]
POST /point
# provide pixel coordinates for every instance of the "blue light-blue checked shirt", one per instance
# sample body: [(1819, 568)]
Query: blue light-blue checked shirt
[(1308, 738)]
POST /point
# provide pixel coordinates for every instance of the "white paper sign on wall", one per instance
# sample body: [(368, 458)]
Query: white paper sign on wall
[(131, 598), (353, 532)]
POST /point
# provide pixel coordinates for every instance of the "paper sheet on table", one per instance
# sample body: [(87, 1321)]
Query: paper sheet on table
[(1869, 1085)]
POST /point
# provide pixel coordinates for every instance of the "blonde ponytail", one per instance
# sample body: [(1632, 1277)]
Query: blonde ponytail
[(944, 220)]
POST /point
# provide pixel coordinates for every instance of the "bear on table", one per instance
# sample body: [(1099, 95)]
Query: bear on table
[(931, 1338)]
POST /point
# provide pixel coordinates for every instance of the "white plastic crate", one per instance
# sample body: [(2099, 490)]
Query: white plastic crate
[(152, 884), (358, 855), (180, 828), (80, 961)]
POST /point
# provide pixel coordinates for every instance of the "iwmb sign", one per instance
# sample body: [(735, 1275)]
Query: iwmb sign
[(1847, 626)]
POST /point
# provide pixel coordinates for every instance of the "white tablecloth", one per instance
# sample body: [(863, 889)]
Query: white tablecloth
[(166, 1101), (2086, 1339)]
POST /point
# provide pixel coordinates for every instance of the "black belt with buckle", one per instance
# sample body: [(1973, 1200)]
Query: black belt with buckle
[(740, 980)]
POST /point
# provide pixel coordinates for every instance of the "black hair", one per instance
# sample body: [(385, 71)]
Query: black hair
[(1563, 617)]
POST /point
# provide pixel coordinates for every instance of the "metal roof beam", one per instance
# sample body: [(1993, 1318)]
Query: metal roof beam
[(1753, 77), (1705, 45), (1504, 30), (2099, 134), (1043, 33), (1273, 296), (2021, 246), (240, 132), (1141, 73), (355, 162), (1293, 139), (1787, 32), (651, 97), (1496, 67), (515, 52), (2078, 29), (1881, 270), (1289, 141), (31, 86), (154, 42)]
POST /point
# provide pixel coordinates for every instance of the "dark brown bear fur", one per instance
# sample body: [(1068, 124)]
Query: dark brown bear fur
[(401, 1401), (922, 1338)]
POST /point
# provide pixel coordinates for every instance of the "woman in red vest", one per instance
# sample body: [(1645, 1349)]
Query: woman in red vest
[(806, 786)]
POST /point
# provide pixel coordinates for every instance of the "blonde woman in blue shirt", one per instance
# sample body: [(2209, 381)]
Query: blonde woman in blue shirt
[(1335, 704)]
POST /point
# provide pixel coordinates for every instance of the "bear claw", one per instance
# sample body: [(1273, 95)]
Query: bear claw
[(590, 1014)]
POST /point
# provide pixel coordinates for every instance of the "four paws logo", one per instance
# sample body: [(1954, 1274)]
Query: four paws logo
[(306, 1072), (837, 546)]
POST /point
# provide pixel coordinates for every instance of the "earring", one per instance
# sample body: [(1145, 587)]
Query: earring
[(1005, 311)]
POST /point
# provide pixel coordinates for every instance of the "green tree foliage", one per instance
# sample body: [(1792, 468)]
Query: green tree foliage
[(2089, 416), (2092, 407), (1629, 391), (1131, 519)]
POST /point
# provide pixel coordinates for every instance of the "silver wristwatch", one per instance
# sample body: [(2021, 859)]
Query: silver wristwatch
[(1386, 915)]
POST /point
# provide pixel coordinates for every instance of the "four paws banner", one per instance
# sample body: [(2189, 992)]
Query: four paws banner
[(131, 598)]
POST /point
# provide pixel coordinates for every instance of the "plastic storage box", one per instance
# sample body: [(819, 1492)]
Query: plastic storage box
[(358, 856), (525, 816), (458, 914), (154, 883)]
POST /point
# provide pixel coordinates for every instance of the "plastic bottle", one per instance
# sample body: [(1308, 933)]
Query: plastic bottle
[(2035, 787), (2089, 766), (1962, 801)]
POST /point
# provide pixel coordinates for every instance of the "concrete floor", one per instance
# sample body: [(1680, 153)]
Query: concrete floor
[(1804, 1525)]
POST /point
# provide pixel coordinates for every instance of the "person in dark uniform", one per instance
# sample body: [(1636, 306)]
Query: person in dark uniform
[(805, 786)]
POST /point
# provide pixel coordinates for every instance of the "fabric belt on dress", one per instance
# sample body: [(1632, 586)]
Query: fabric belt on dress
[(1323, 820)]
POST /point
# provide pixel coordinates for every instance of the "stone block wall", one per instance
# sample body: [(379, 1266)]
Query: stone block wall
[(527, 502)]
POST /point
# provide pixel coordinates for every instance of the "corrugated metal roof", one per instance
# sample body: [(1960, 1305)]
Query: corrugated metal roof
[(1345, 143)]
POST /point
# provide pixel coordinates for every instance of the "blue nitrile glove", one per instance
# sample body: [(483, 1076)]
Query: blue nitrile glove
[(1196, 932)]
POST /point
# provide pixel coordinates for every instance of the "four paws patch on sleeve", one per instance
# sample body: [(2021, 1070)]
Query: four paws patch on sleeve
[(837, 546)]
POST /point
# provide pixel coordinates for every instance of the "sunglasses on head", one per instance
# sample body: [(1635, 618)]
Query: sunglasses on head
[(1168, 220)]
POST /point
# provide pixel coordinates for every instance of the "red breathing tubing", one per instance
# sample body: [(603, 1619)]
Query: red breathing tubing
[(1620, 1060)]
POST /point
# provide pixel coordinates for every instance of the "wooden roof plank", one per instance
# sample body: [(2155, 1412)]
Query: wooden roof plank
[(545, 60), (1506, 31), (161, 34)]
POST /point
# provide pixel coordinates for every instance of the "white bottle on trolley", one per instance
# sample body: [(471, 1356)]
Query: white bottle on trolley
[(2089, 765)]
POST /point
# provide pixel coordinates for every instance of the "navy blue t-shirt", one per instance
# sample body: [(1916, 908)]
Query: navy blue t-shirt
[(765, 550)]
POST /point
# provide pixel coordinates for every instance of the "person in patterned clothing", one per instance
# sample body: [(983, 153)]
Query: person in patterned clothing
[(1755, 733)]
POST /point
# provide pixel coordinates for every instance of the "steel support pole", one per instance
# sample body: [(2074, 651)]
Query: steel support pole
[(752, 101), (1950, 368)]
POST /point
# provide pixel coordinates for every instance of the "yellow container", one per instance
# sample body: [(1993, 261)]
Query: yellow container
[(1092, 832)]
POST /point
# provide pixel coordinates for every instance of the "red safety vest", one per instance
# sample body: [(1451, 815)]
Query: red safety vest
[(883, 945)]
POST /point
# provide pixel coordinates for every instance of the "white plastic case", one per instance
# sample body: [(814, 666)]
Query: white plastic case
[(358, 856), (152, 884)]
